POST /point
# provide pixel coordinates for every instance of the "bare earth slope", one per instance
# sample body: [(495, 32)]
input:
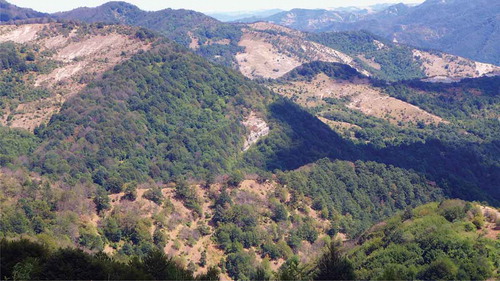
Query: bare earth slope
[(271, 51), (360, 95), (78, 53)]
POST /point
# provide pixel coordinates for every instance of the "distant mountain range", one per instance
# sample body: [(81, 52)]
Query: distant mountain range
[(468, 28), (320, 16), (221, 42), (237, 16), (125, 153)]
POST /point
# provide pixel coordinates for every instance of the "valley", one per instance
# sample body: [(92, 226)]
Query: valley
[(167, 145)]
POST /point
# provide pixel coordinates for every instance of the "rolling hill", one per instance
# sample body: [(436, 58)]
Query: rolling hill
[(167, 145), (9, 13)]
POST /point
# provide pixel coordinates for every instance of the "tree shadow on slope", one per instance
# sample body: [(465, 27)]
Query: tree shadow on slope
[(464, 170)]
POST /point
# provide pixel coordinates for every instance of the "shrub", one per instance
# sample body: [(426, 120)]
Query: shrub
[(155, 195)]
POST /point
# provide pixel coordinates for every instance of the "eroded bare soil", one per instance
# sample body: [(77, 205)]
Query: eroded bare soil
[(78, 58)]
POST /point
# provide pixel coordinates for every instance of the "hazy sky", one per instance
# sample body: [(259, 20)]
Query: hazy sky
[(202, 5)]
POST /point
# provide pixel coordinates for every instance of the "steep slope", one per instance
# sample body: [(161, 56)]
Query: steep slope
[(447, 240), (161, 114), (61, 60), (360, 95), (392, 62), (272, 51), (264, 221)]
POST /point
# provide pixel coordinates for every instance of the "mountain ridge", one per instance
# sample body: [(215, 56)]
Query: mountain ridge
[(440, 25), (244, 151)]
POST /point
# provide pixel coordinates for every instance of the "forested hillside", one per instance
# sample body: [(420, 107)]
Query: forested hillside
[(161, 114), (124, 154), (448, 240), (43, 65)]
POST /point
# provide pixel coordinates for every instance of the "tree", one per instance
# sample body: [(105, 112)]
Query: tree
[(211, 275), (293, 270), (235, 178), (203, 258), (101, 200), (333, 266), (155, 195), (130, 192), (161, 267), (441, 269), (111, 230), (114, 184), (280, 213)]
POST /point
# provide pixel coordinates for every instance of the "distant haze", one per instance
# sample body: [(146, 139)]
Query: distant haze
[(51, 6)]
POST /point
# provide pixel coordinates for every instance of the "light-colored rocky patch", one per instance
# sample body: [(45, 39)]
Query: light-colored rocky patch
[(491, 228), (450, 66), (194, 44), (91, 46), (485, 68), (20, 34), (362, 96), (262, 190), (77, 57), (257, 129), (372, 102), (441, 79), (379, 44)]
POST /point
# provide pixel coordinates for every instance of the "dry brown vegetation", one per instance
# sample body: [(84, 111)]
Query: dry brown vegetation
[(272, 55), (271, 51), (444, 66), (185, 243), (360, 95), (491, 227)]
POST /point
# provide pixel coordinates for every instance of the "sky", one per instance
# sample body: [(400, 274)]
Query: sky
[(205, 6)]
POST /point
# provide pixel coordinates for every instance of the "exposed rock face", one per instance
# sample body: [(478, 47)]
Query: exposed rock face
[(257, 129)]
